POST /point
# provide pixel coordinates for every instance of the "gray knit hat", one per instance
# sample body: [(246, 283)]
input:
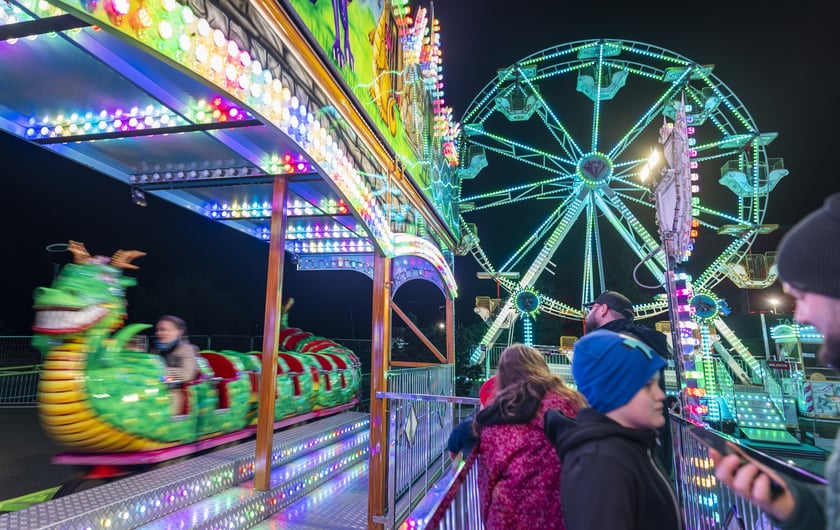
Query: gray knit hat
[(809, 254)]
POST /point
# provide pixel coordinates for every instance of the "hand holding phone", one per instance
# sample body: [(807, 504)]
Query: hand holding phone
[(724, 447)]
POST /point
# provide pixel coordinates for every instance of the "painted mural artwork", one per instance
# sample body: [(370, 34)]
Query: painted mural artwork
[(389, 54), (822, 399), (98, 394)]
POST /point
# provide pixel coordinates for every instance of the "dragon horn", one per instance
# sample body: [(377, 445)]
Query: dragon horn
[(80, 253), (122, 258)]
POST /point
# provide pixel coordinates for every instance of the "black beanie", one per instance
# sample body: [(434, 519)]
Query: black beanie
[(809, 254)]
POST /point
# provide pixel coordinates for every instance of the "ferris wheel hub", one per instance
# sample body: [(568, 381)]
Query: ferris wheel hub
[(595, 169)]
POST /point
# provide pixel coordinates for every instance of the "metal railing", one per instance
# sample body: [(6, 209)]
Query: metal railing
[(418, 429), (707, 503), (19, 386), (453, 503), (17, 350)]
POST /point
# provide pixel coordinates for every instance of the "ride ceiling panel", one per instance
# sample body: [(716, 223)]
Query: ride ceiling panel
[(50, 77), (71, 90), (47, 76), (173, 152)]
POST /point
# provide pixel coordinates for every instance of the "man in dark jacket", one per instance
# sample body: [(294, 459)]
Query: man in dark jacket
[(614, 312), (809, 268), (608, 451)]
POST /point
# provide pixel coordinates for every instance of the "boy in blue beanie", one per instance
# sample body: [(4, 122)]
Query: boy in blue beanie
[(614, 312), (608, 451)]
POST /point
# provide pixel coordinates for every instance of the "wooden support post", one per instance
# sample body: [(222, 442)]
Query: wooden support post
[(271, 329), (413, 327), (380, 362)]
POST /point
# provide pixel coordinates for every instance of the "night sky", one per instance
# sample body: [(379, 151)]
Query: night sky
[(778, 61)]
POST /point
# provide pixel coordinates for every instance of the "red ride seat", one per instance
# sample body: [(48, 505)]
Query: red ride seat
[(295, 366), (291, 342), (285, 333), (180, 388), (340, 364), (224, 369), (318, 345), (326, 365)]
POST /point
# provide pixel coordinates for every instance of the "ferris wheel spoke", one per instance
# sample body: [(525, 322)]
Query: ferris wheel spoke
[(559, 132), (592, 257), (572, 210), (521, 152), (642, 123), (708, 212), (544, 189), (634, 234), (553, 123), (535, 237), (502, 321), (476, 250), (554, 307), (733, 253), (628, 179), (720, 105), (733, 340)]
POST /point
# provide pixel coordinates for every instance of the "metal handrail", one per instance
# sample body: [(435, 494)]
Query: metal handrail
[(452, 503), (419, 425)]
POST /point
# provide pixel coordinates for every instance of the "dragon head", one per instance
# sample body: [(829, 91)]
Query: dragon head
[(87, 294)]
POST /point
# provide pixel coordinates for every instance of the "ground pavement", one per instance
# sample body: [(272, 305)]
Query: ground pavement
[(25, 465)]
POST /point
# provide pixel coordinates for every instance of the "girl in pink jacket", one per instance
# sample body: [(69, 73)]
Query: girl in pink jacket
[(518, 469)]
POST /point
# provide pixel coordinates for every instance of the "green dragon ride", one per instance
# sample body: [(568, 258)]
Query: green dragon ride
[(98, 395)]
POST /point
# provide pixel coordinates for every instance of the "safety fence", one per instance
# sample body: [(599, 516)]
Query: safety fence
[(453, 502), (19, 385), (418, 429), (20, 370)]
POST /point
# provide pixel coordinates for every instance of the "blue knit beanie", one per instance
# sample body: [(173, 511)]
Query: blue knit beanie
[(610, 368)]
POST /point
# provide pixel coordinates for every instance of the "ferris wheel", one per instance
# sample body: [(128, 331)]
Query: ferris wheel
[(569, 132)]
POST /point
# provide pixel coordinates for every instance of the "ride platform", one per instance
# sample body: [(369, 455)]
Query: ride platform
[(216, 490), (162, 455)]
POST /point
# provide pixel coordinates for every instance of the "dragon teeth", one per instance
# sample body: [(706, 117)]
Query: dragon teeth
[(63, 319)]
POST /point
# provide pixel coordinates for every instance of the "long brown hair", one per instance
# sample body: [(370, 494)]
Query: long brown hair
[(523, 378)]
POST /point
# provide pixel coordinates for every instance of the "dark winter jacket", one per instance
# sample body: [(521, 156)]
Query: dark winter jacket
[(462, 439), (518, 470), (611, 478), (651, 337), (659, 343)]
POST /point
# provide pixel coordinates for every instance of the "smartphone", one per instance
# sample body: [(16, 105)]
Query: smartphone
[(714, 441), (719, 442)]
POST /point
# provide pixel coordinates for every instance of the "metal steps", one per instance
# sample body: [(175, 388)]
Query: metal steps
[(341, 504), (755, 410)]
